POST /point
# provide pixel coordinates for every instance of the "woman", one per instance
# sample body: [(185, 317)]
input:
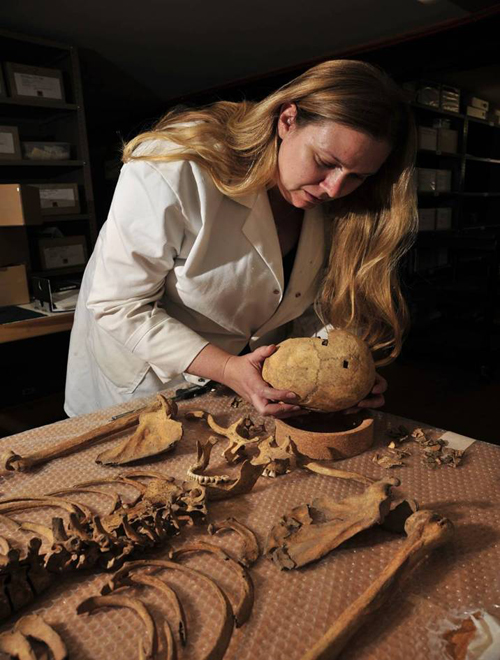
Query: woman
[(229, 222)]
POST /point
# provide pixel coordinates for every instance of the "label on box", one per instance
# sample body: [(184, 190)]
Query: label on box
[(7, 143), (46, 87), (62, 256), (50, 197)]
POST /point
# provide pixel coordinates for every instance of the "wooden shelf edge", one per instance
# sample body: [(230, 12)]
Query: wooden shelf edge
[(29, 328)]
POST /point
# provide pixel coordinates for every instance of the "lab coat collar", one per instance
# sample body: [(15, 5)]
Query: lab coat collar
[(247, 200)]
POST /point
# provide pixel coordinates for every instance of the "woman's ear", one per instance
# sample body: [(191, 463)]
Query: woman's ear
[(287, 119)]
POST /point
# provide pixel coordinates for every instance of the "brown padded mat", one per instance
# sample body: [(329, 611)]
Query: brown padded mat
[(292, 609)]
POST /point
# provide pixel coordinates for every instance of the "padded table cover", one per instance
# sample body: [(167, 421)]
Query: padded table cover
[(292, 609)]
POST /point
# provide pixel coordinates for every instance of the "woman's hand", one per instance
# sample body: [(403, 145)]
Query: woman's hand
[(243, 374), (374, 400)]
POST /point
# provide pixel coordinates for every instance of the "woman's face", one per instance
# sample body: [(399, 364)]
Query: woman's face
[(323, 161)]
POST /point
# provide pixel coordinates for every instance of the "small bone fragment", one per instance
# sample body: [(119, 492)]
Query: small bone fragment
[(225, 628), (16, 645), (156, 433), (34, 626), (9, 460), (309, 532), (113, 600), (244, 606), (387, 462), (166, 590), (324, 467), (426, 530), (251, 551)]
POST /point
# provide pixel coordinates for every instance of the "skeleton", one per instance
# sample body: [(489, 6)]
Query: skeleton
[(89, 540)]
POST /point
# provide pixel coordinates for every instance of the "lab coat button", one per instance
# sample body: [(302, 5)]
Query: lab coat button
[(276, 291)]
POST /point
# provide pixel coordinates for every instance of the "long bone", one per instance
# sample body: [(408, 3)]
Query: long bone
[(11, 461), (426, 530)]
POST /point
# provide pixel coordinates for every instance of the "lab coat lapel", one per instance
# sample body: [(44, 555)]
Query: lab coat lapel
[(260, 230), (308, 262)]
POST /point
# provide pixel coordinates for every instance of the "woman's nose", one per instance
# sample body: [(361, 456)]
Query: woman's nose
[(333, 183)]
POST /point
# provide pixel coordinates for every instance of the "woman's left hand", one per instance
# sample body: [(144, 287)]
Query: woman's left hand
[(374, 400)]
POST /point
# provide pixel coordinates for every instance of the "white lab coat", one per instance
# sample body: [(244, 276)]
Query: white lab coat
[(178, 265)]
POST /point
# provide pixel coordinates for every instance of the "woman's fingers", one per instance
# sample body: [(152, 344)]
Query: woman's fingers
[(380, 385)]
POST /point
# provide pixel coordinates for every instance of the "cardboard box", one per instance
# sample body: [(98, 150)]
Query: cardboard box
[(58, 198), (426, 179), (447, 140), (14, 248), (426, 219), (9, 143), (14, 286), (34, 81), (443, 218), (443, 180), (476, 112), (478, 103), (66, 252), (19, 205), (450, 98), (427, 138)]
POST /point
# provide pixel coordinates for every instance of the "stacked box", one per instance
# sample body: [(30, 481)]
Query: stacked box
[(427, 138), (450, 98)]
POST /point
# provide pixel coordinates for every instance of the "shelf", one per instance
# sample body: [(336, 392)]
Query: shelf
[(443, 154), (37, 103), (73, 270), (438, 111), (492, 161), (484, 122), (49, 324), (478, 194), (435, 193), (41, 163)]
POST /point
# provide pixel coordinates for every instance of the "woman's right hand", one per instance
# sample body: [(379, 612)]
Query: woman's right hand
[(243, 374)]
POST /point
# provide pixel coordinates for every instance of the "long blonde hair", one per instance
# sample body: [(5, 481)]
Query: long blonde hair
[(370, 230)]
